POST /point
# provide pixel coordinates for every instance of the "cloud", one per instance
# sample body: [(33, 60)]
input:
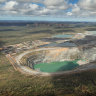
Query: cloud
[(9, 5), (53, 2), (27, 1), (28, 9), (75, 8), (69, 13), (48, 8), (56, 4), (2, 1), (87, 4), (33, 7), (84, 8), (54, 7)]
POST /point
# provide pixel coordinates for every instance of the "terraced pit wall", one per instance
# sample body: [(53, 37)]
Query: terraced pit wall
[(58, 54), (89, 54)]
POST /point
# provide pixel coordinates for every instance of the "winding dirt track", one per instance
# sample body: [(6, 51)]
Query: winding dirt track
[(28, 71)]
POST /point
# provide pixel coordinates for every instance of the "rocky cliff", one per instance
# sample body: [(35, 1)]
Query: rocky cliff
[(89, 54)]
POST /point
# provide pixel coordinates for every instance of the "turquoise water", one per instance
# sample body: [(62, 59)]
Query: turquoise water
[(63, 36), (57, 66)]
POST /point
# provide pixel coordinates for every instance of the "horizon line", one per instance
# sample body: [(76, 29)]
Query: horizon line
[(49, 20)]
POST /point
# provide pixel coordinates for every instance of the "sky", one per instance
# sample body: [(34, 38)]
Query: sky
[(48, 10)]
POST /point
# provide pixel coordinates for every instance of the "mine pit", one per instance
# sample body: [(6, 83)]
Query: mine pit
[(54, 60)]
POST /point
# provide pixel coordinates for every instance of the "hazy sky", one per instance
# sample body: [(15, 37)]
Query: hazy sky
[(51, 10)]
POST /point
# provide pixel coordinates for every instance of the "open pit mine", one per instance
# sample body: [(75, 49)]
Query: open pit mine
[(59, 54)]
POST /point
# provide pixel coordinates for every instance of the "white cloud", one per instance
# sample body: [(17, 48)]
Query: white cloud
[(75, 11), (10, 5), (27, 1), (84, 8), (49, 8), (2, 1), (33, 6), (87, 4), (47, 11), (44, 11), (27, 8), (69, 13), (75, 8), (52, 7), (56, 4), (53, 2)]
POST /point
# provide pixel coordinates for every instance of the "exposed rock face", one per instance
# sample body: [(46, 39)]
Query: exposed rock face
[(85, 49), (90, 54), (35, 59), (59, 54), (62, 54)]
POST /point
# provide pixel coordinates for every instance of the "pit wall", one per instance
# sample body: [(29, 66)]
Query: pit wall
[(90, 55), (61, 54)]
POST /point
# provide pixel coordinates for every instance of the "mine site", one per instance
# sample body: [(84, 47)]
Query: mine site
[(47, 58), (54, 55), (47, 47)]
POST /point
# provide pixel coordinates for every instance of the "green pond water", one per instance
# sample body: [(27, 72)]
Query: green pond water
[(56, 66)]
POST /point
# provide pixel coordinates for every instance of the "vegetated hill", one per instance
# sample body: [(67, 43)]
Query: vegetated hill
[(13, 83)]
